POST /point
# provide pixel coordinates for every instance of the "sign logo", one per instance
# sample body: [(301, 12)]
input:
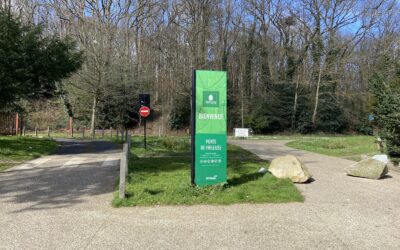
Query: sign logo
[(210, 98)]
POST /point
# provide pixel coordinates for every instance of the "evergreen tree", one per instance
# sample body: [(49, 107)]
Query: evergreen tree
[(31, 64), (385, 87)]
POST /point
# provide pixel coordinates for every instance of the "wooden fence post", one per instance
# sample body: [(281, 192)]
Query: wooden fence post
[(71, 128), (83, 132), (48, 131), (123, 171), (16, 124), (67, 129), (36, 131)]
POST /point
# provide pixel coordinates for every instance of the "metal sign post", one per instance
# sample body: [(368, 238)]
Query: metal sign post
[(145, 140), (144, 112)]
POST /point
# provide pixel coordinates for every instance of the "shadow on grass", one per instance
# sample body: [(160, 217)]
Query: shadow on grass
[(181, 161), (154, 191), (145, 168), (154, 165), (245, 178)]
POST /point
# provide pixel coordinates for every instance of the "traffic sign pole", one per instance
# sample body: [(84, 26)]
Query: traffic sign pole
[(144, 112), (145, 146)]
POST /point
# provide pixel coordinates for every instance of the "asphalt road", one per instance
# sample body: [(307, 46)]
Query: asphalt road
[(63, 201)]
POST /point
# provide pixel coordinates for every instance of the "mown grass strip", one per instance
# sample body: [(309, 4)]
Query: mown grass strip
[(161, 176), (15, 150), (349, 147)]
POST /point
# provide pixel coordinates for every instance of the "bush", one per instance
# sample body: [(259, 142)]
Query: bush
[(364, 127), (176, 144), (180, 113), (330, 116), (385, 87)]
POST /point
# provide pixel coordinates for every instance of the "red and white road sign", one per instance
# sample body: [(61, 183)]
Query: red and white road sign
[(144, 111)]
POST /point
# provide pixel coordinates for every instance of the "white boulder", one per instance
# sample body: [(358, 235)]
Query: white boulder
[(289, 167), (382, 158)]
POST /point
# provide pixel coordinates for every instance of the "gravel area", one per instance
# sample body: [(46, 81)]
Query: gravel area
[(63, 201)]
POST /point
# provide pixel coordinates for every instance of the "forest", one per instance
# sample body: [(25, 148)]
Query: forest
[(301, 66)]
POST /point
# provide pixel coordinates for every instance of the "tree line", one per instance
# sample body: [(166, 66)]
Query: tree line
[(302, 65)]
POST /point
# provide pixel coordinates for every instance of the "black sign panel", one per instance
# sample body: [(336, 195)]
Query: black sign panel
[(144, 100)]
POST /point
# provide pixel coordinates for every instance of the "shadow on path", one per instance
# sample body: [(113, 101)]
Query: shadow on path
[(58, 182), (71, 146)]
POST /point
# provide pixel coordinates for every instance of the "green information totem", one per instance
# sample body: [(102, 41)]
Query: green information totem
[(209, 127)]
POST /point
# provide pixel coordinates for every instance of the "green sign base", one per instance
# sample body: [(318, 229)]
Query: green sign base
[(210, 159)]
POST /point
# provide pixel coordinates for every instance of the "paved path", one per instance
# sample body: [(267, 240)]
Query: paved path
[(63, 202), (356, 213)]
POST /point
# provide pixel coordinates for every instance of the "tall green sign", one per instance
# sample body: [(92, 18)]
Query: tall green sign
[(209, 127)]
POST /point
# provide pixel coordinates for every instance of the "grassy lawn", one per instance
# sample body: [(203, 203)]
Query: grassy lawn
[(161, 176), (344, 146), (77, 135), (349, 147), (14, 150)]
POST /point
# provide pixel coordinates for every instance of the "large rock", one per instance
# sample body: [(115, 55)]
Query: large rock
[(289, 167), (369, 168)]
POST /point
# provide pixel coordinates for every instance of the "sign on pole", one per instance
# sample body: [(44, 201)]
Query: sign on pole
[(371, 118), (144, 112), (144, 100), (241, 132), (209, 127)]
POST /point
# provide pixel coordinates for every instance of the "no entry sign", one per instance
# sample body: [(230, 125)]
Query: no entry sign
[(144, 111)]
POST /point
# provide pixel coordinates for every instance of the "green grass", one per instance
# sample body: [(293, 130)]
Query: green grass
[(349, 147), (161, 176), (292, 136), (15, 150), (344, 146), (77, 135)]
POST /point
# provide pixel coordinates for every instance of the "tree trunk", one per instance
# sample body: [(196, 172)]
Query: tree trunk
[(295, 103), (314, 117), (93, 116), (241, 89), (242, 109)]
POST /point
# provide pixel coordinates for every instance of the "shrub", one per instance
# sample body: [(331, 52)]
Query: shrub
[(385, 87), (180, 113), (176, 144)]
